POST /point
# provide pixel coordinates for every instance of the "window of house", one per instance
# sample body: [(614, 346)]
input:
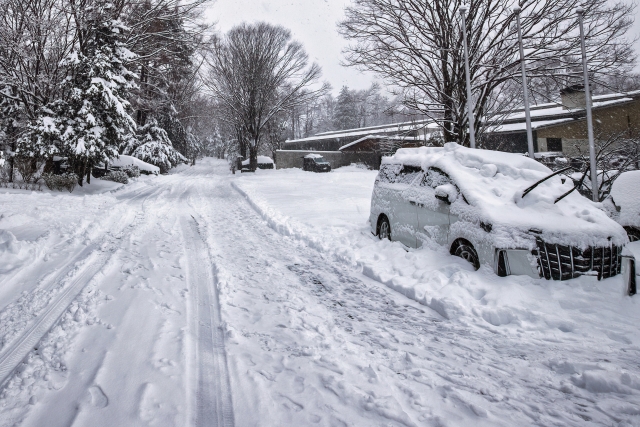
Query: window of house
[(554, 144)]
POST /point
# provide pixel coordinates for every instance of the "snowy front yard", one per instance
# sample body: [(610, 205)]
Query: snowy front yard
[(263, 299)]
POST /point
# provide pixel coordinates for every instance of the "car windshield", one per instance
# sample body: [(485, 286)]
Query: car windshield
[(319, 160)]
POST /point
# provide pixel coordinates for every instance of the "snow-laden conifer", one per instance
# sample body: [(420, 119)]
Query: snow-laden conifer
[(92, 121), (153, 145)]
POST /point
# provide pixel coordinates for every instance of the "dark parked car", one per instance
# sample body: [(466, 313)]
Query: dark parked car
[(315, 163)]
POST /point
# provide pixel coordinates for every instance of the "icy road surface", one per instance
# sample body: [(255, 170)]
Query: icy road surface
[(207, 299)]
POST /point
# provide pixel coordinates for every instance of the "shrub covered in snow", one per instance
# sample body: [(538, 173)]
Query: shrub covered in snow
[(66, 181), (117, 176), (132, 171)]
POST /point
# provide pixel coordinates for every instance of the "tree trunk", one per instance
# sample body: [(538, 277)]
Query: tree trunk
[(253, 157), (89, 174)]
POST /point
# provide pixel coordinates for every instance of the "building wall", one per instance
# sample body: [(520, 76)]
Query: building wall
[(293, 158), (621, 119)]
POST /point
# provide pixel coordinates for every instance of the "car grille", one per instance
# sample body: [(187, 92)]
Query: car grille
[(560, 262)]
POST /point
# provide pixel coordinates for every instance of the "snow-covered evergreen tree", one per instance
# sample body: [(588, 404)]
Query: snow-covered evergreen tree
[(153, 145), (345, 114), (92, 121)]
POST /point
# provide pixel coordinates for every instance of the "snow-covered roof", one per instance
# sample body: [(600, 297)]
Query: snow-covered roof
[(493, 183), (368, 131), (313, 156), (386, 138), (625, 192), (522, 126)]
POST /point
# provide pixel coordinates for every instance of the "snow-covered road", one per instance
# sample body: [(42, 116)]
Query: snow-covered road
[(206, 299)]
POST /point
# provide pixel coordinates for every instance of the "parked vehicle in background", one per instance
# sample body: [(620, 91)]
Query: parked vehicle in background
[(315, 163), (264, 162), (492, 208), (624, 203)]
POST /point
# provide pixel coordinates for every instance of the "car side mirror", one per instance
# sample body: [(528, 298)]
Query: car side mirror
[(448, 193), (444, 198)]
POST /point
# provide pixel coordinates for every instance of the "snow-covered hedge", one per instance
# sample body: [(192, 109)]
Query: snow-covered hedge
[(66, 181)]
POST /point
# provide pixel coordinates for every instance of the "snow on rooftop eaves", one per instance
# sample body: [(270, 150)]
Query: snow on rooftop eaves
[(421, 123), (398, 128), (386, 138), (522, 126)]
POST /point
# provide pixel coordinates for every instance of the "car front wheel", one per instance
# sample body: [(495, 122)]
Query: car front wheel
[(384, 229), (466, 251)]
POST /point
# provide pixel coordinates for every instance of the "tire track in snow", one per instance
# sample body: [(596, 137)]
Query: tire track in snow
[(213, 390), (95, 258)]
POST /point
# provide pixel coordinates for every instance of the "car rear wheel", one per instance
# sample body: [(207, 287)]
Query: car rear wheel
[(384, 229), (466, 251)]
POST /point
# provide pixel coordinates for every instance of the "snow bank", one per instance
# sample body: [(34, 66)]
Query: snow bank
[(13, 253), (625, 193), (493, 184)]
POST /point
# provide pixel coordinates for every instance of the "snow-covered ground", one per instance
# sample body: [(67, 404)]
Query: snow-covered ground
[(203, 298)]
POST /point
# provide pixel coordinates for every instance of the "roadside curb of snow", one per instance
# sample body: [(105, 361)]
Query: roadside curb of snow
[(287, 227)]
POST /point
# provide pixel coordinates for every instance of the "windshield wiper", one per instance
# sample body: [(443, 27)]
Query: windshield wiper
[(575, 186), (528, 190)]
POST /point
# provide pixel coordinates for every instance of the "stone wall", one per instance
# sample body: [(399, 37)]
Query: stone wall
[(293, 158)]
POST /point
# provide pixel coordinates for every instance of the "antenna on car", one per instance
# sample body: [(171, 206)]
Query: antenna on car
[(528, 190)]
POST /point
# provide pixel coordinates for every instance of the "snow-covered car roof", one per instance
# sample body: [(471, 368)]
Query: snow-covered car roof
[(493, 183), (124, 161), (625, 193), (313, 156), (261, 160)]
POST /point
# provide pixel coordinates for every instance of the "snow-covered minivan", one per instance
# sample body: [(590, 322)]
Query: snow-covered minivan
[(492, 208)]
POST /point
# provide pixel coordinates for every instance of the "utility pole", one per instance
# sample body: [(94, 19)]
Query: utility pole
[(472, 136), (525, 88), (587, 94)]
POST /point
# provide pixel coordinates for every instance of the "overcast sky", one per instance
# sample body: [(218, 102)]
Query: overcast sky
[(313, 23)]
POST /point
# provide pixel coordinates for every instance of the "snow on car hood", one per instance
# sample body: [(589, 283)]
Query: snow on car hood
[(124, 161), (261, 160), (625, 193), (493, 183)]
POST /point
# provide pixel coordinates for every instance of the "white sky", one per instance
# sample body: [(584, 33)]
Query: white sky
[(313, 23)]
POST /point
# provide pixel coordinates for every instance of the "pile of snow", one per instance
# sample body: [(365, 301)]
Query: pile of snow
[(13, 253), (625, 193), (123, 161), (313, 156), (262, 160), (493, 184)]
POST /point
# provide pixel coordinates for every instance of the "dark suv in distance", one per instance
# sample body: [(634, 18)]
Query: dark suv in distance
[(315, 163)]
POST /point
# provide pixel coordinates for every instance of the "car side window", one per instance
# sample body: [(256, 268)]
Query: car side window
[(388, 173), (408, 174), (435, 177)]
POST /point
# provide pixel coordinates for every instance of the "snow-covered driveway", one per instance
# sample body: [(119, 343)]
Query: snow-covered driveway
[(202, 298)]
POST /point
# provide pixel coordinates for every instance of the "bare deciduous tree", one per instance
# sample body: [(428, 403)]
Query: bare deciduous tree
[(256, 72), (416, 45)]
